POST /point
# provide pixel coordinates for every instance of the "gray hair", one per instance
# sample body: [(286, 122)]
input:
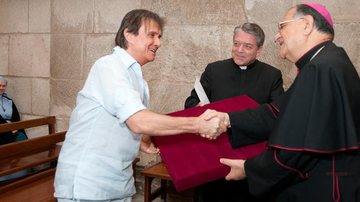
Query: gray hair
[(320, 22), (253, 29), (3, 79)]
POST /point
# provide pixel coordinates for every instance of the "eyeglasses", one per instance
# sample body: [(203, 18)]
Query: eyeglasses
[(282, 24)]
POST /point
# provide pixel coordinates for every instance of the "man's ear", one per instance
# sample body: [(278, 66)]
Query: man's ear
[(258, 52), (127, 35), (309, 24)]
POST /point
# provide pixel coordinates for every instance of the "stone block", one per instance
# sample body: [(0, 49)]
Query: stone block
[(67, 56), (348, 36), (13, 16), (266, 12), (97, 46), (40, 97), (270, 52), (166, 97), (63, 96), (39, 16), (226, 40), (184, 53), (4, 54), (69, 16), (30, 55), (109, 14), (211, 12), (19, 89)]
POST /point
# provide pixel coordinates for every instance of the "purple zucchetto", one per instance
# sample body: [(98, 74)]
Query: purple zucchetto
[(322, 11)]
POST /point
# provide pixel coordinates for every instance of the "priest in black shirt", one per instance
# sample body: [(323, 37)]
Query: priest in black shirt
[(313, 129), (241, 74)]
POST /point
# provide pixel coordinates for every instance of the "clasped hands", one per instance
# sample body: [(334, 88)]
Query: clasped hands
[(212, 123)]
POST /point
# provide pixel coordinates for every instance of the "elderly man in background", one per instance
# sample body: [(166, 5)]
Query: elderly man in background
[(313, 151)]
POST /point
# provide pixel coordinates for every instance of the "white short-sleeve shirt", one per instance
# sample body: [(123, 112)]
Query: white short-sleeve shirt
[(95, 161)]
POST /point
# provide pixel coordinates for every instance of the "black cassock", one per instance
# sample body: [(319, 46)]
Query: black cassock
[(313, 133), (224, 79)]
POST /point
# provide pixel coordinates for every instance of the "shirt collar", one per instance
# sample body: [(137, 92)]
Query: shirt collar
[(249, 66), (4, 95), (124, 56), (307, 56)]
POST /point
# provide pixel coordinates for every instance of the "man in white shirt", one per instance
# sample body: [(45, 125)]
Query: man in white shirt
[(110, 115)]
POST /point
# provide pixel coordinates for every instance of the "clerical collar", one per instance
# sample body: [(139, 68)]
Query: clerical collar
[(310, 55), (247, 67)]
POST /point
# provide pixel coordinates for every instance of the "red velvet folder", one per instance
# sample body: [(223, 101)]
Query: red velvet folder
[(192, 160)]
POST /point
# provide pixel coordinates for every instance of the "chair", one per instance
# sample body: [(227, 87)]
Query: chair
[(156, 171)]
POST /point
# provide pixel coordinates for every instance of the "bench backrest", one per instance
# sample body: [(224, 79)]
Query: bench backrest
[(14, 152), (29, 154), (49, 120), (39, 154)]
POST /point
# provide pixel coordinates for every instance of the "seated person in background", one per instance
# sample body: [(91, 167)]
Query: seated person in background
[(9, 113), (241, 74)]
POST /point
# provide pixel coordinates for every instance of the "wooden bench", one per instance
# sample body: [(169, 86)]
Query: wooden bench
[(156, 171), (40, 153), (25, 155), (48, 121), (34, 158)]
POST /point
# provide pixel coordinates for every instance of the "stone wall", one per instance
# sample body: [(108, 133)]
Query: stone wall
[(48, 46)]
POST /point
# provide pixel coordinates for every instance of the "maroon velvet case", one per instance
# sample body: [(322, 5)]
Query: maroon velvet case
[(192, 160)]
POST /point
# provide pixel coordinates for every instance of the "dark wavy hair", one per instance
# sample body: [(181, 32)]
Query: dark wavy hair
[(133, 21), (320, 22)]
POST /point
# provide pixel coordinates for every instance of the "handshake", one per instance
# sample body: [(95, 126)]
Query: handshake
[(212, 123)]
